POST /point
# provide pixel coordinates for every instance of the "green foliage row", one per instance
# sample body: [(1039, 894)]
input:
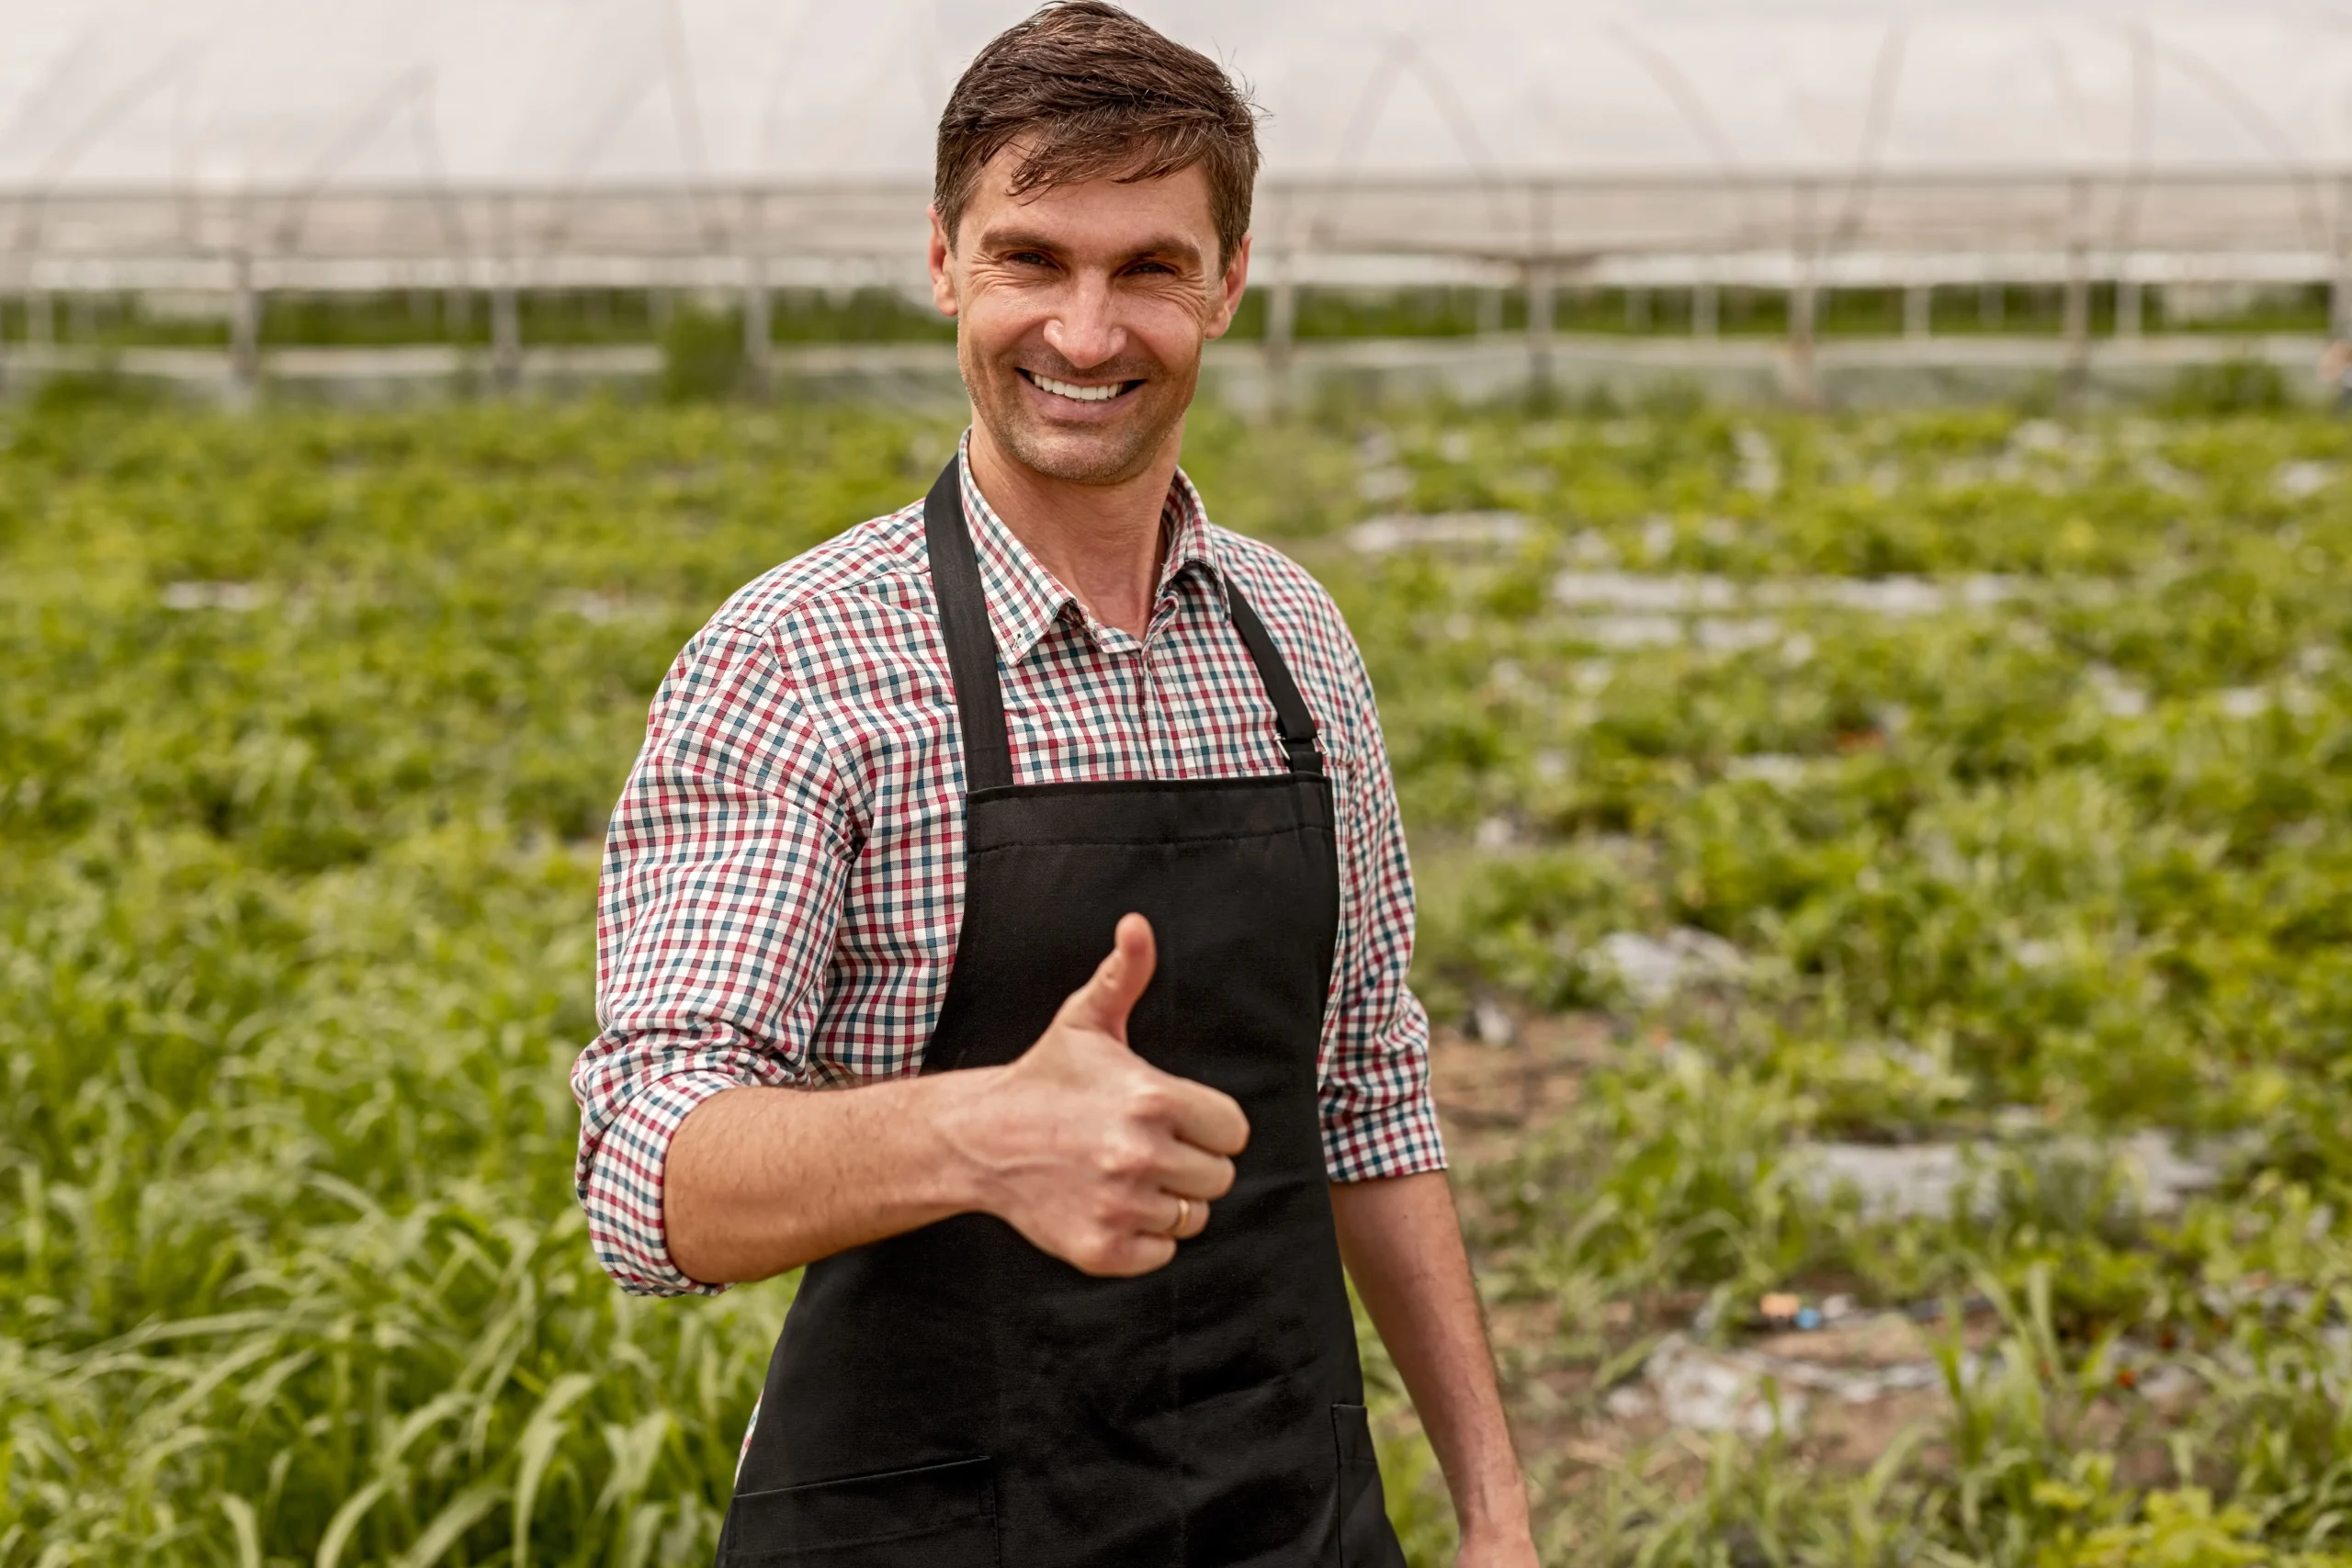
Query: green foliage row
[(295, 940), (2064, 840), (566, 317), (575, 317)]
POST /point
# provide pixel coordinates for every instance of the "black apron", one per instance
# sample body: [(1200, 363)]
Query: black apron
[(956, 1398)]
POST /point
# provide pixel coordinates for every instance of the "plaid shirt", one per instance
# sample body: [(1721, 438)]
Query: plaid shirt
[(784, 873)]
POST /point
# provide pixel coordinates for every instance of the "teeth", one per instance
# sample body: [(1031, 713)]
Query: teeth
[(1081, 394)]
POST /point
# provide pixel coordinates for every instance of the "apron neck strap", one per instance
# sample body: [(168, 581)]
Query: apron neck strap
[(972, 650), (1290, 718), (964, 622)]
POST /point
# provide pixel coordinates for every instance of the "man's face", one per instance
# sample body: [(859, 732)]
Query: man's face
[(1081, 313)]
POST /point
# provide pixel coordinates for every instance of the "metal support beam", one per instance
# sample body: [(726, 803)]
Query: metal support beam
[(1804, 387), (1918, 311), (2130, 308), (759, 344), (245, 325), (1804, 302), (1282, 334), (1540, 285), (2339, 285), (506, 334), (759, 336), (1540, 293), (2077, 314), (505, 310), (2339, 295), (2078, 318)]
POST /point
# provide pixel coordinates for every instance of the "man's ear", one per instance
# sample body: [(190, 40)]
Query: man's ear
[(942, 254), (1230, 287)]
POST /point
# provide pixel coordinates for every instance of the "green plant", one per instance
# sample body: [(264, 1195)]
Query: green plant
[(2010, 762)]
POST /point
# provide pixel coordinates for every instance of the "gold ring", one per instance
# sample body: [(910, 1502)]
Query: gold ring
[(1184, 1216)]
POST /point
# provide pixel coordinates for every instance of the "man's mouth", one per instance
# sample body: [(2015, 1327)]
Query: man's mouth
[(1074, 393)]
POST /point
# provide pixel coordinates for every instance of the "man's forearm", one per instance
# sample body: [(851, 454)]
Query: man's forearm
[(1402, 1245), (1090, 1151), (760, 1180)]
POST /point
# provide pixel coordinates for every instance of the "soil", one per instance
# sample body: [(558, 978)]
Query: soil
[(1491, 1099)]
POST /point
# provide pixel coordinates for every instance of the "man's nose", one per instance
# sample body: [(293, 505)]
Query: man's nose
[(1083, 331)]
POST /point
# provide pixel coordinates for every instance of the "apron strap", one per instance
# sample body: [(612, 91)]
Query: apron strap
[(1291, 716), (964, 622), (972, 650)]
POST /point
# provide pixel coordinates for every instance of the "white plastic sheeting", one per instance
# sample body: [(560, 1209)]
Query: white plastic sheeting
[(163, 93), (1474, 132)]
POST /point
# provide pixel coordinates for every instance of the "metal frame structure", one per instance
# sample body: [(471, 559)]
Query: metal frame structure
[(1800, 234), (1790, 145)]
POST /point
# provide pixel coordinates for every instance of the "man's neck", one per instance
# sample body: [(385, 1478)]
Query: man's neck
[(1102, 542)]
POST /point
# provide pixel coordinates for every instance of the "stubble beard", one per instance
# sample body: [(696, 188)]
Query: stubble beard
[(1102, 454)]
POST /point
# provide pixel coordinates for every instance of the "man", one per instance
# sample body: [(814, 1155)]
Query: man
[(1048, 827)]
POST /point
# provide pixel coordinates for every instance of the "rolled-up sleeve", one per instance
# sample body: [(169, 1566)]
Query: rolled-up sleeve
[(721, 889), (1378, 1118)]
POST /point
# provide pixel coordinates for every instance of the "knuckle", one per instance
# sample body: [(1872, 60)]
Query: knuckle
[(1118, 1212), (1123, 1159)]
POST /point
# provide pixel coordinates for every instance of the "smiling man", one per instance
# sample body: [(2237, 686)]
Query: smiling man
[(1007, 920)]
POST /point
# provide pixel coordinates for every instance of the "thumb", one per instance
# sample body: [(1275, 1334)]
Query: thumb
[(1105, 1001)]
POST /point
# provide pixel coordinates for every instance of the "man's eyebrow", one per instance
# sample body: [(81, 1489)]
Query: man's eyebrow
[(1174, 246)]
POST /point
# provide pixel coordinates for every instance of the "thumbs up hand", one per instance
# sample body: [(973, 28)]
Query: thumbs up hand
[(1090, 1151)]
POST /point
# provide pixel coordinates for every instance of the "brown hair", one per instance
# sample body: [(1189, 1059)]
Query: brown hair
[(1089, 92)]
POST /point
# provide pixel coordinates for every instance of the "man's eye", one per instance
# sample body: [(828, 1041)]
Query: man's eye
[(1029, 258), (1154, 266)]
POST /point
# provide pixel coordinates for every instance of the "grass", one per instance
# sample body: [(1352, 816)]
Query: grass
[(309, 723)]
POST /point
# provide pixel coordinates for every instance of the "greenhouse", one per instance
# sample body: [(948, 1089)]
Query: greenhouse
[(234, 150), (1817, 523)]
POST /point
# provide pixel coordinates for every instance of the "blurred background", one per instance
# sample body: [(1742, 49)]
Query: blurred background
[(1848, 509), (1842, 200)]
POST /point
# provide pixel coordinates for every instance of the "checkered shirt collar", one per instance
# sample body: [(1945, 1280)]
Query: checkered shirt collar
[(1025, 599)]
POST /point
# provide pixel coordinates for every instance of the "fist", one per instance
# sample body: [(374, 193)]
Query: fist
[(1090, 1151)]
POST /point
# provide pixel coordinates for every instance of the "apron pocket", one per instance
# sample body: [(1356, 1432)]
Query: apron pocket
[(941, 1515), (1365, 1538)]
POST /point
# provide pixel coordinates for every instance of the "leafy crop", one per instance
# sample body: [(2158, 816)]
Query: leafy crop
[(2004, 764), (2012, 765), (311, 727)]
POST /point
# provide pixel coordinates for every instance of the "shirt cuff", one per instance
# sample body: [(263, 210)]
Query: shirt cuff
[(1397, 1139), (620, 1185)]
